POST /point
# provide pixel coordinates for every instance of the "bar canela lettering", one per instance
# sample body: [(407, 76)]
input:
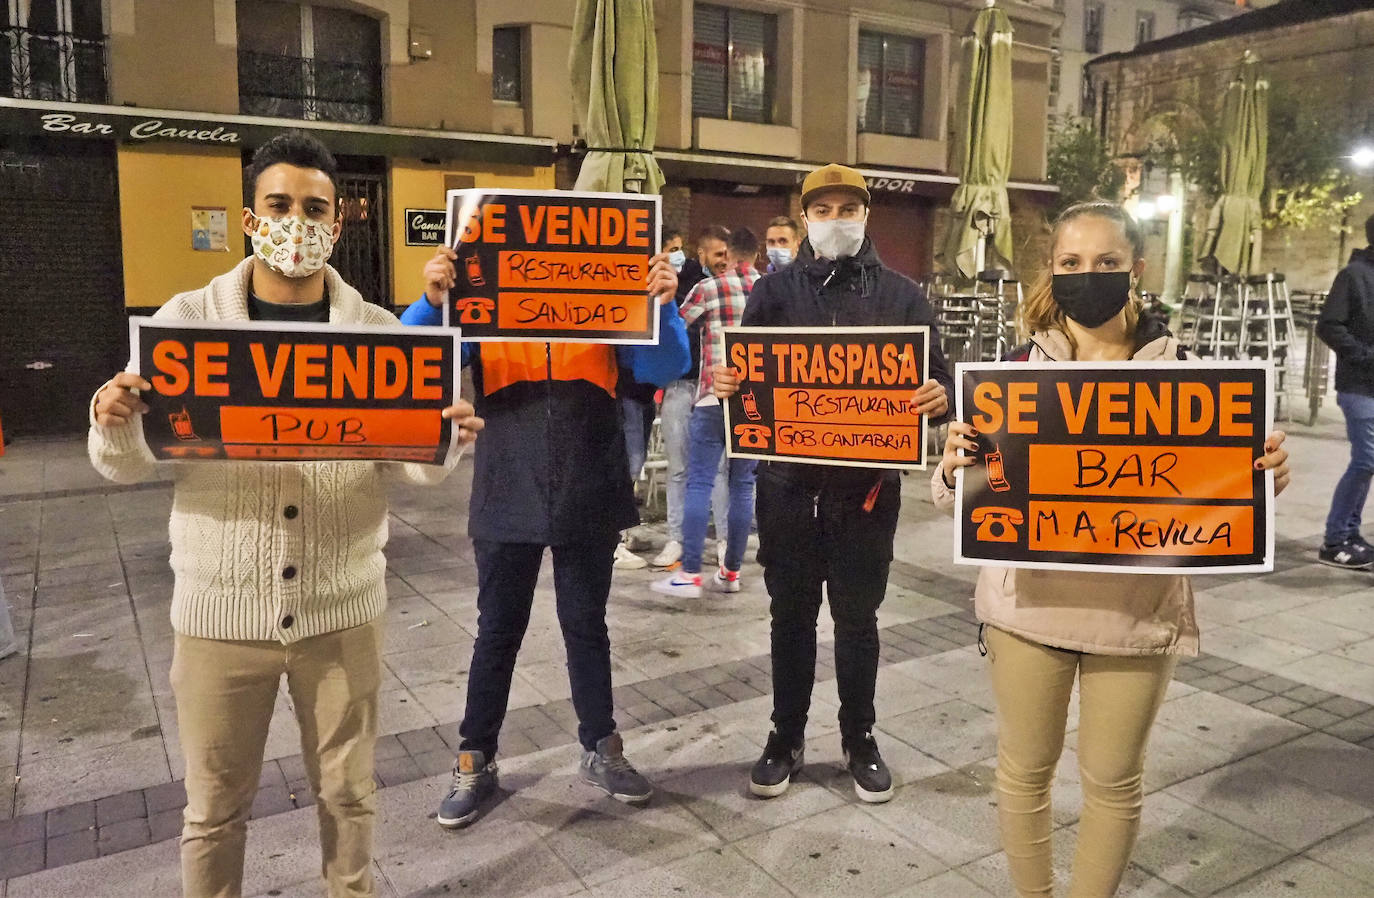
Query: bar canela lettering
[(297, 392), (553, 265), (1146, 468), (828, 396)]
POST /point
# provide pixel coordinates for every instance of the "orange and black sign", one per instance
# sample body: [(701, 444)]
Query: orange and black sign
[(553, 265), (828, 395), (1146, 468), (296, 392)]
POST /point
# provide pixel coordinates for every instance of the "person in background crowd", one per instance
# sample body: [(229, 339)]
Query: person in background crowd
[(1121, 634), (1347, 326), (831, 527), (712, 257), (551, 473), (783, 237), (718, 303), (278, 567), (673, 245)]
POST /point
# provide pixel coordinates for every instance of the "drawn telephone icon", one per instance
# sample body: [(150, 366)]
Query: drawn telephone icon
[(751, 405), (997, 475), (474, 310), (996, 524), (753, 436)]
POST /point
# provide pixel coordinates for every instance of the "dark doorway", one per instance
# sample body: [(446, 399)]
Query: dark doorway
[(363, 253), (61, 282)]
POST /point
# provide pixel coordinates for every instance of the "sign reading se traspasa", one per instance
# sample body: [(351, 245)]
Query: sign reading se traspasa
[(829, 395), (1139, 467), (267, 391), (553, 265)]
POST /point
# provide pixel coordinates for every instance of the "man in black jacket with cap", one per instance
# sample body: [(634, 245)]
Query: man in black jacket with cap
[(831, 525)]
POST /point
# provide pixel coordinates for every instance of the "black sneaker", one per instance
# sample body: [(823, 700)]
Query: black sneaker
[(607, 769), (1353, 555), (773, 772), (872, 781), (474, 781)]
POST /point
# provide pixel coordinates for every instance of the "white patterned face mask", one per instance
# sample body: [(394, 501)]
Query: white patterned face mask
[(292, 246)]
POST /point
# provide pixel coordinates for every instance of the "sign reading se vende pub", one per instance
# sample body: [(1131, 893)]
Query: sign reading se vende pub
[(1144, 468), (558, 265)]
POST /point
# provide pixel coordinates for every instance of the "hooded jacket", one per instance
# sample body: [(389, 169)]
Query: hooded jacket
[(1347, 323), (855, 292), (1104, 613)]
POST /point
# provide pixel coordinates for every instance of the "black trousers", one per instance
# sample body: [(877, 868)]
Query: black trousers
[(506, 576), (805, 541)]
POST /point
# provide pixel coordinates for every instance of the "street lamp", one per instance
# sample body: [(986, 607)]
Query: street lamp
[(1362, 157)]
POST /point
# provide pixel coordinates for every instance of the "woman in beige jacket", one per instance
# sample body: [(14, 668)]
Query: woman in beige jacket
[(1120, 634)]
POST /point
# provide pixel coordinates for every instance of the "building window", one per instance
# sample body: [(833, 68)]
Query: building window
[(508, 64), (890, 83), (1144, 28), (733, 64), (1087, 104), (1093, 14), (53, 50), (309, 62)]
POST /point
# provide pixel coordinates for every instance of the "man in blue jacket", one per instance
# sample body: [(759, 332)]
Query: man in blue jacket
[(555, 475), (1347, 326)]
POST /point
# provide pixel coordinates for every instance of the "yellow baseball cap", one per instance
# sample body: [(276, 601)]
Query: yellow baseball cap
[(832, 177)]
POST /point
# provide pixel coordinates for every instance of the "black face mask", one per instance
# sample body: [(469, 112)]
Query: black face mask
[(1092, 298)]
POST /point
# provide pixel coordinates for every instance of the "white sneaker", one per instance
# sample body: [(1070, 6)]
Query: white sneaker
[(672, 551), (726, 581), (625, 560), (684, 586)]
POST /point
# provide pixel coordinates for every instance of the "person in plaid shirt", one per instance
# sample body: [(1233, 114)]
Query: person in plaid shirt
[(719, 302)]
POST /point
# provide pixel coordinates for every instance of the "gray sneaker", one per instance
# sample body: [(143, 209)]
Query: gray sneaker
[(607, 769), (474, 781)]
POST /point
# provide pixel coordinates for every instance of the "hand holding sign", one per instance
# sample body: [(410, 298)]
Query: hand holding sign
[(726, 381), (440, 276), (1275, 458), (931, 399), (662, 279), (469, 425), (117, 402)]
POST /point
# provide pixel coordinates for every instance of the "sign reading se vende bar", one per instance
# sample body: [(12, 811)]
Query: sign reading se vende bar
[(829, 395), (267, 391), (553, 265), (1134, 467)]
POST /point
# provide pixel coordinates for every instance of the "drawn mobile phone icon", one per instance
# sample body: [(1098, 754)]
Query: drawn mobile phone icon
[(751, 405), (181, 425), (997, 475), (474, 268)]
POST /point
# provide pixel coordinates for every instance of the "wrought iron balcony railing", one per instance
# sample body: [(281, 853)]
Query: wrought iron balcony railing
[(52, 65), (317, 89)]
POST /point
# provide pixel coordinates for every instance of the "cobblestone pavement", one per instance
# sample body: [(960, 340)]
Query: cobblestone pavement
[(1260, 773)]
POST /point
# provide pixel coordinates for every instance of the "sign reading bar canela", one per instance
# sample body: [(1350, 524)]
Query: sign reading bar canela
[(1143, 468), (553, 265), (828, 395), (268, 391)]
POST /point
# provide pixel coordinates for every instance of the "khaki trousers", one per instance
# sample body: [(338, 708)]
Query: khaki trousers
[(225, 691), (1118, 699)]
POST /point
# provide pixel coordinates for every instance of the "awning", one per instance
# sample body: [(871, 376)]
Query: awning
[(134, 125)]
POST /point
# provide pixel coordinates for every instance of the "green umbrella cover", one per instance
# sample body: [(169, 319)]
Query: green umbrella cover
[(1235, 218)]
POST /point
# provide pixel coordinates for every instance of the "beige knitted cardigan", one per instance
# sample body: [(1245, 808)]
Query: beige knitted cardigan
[(243, 569)]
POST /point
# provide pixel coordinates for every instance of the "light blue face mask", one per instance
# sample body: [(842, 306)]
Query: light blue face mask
[(677, 258), (780, 256)]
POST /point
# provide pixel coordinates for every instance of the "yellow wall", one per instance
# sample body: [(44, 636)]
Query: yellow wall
[(420, 185), (157, 188)]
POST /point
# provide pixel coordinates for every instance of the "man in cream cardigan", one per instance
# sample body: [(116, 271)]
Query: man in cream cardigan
[(278, 567)]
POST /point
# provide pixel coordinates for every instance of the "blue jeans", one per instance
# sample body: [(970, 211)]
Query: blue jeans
[(636, 417), (675, 416), (706, 442), (1347, 505)]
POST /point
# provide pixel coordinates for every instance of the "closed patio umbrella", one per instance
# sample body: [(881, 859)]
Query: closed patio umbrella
[(1234, 225), (614, 68), (982, 144)]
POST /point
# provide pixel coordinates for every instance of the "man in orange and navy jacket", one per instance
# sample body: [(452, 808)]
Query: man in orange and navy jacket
[(550, 472)]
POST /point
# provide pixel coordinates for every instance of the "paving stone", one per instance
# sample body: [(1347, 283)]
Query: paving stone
[(71, 818), (19, 830), (1214, 683), (421, 741), (739, 691), (300, 793), (449, 733), (395, 771), (1352, 730), (121, 836), (1308, 695), (434, 763), (124, 806), (164, 825), (548, 737), (1245, 694), (389, 747), (656, 689), (271, 775), (292, 768), (648, 712), (1344, 707), (1315, 718), (678, 705), (1245, 674), (1212, 664), (710, 676), (18, 860), (562, 713), (271, 800), (1278, 705), (527, 718), (710, 697), (70, 848), (165, 797), (513, 744)]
